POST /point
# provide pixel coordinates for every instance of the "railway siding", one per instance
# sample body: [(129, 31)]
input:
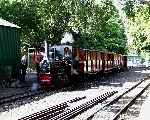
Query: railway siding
[(117, 106)]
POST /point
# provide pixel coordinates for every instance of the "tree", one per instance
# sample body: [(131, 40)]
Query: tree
[(139, 27), (129, 8), (93, 25)]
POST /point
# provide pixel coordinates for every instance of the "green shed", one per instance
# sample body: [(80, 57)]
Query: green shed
[(10, 53)]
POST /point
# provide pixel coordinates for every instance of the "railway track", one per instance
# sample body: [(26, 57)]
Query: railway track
[(23, 95), (65, 111), (116, 107), (141, 88), (52, 111), (15, 97)]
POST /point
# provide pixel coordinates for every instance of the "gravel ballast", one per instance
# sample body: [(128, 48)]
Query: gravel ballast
[(91, 89)]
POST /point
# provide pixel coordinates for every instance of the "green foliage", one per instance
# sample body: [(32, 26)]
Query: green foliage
[(129, 8), (139, 28), (94, 26)]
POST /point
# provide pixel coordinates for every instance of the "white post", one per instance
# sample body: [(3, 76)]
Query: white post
[(28, 64), (45, 44)]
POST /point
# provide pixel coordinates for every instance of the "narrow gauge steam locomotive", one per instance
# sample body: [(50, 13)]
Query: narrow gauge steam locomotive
[(68, 64)]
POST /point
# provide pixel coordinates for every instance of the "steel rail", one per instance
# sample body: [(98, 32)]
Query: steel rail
[(18, 96), (21, 95), (116, 98), (83, 107), (130, 103), (12, 95), (52, 111)]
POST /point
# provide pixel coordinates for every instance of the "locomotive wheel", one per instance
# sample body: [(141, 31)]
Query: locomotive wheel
[(57, 81), (66, 78), (61, 80)]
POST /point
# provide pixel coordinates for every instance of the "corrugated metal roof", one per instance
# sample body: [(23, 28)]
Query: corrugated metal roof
[(6, 23)]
